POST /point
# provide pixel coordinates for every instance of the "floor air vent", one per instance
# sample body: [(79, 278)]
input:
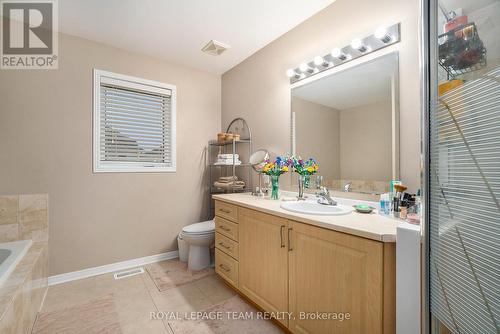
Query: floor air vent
[(128, 273)]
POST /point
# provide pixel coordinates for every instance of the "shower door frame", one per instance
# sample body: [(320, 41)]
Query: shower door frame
[(428, 93)]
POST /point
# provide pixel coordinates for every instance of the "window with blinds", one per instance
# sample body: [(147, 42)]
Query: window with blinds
[(134, 124)]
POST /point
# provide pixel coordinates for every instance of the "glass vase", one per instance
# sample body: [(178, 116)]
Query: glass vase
[(300, 196), (275, 186), (307, 181)]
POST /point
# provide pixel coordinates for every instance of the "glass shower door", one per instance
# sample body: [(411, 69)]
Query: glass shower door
[(463, 174)]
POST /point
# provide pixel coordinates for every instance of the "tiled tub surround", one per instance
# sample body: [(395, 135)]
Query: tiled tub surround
[(24, 217), (11, 253)]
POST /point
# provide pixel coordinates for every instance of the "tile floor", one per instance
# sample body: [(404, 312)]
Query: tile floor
[(134, 299)]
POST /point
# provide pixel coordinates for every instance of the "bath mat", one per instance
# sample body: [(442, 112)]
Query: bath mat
[(171, 273), (229, 322), (75, 319)]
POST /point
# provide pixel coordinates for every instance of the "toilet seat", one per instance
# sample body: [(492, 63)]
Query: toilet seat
[(206, 227)]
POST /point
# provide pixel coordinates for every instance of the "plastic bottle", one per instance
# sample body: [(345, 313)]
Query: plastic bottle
[(385, 204)]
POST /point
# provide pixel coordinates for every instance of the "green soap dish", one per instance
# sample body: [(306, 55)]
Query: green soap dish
[(363, 208)]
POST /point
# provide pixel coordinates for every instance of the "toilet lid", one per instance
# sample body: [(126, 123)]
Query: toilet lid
[(200, 228)]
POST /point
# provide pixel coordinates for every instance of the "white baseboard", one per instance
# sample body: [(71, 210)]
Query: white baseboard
[(109, 268)]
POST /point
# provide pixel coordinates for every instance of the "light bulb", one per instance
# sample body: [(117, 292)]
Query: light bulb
[(318, 61), (337, 53), (291, 73), (358, 45), (382, 34), (304, 68)]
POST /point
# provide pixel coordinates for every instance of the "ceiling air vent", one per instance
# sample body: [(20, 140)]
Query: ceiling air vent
[(215, 48)]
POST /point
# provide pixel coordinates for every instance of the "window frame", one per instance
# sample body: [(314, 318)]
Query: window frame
[(134, 83)]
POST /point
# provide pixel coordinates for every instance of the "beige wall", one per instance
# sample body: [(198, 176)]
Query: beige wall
[(46, 147), (258, 89), (365, 142), (317, 135)]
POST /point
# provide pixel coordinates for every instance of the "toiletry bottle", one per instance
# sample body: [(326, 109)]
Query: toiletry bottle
[(382, 204), (403, 212), (385, 204), (418, 203), (388, 205), (395, 207)]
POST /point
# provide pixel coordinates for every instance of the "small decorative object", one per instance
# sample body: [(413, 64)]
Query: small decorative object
[(305, 169), (274, 170), (403, 213), (221, 137), (363, 208)]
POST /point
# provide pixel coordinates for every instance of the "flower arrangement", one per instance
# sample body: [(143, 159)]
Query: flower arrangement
[(278, 167), (274, 170), (307, 167)]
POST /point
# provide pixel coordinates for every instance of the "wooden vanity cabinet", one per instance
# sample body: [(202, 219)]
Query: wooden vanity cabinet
[(288, 266), (336, 273), (264, 260)]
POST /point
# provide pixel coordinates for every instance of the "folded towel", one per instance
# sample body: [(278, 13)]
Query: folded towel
[(229, 163), (228, 156), (230, 185), (227, 160), (228, 178)]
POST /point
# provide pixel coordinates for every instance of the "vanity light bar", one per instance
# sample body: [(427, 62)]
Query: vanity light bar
[(381, 38)]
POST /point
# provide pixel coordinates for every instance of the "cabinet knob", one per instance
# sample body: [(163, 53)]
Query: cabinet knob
[(223, 267), (222, 244), (290, 239)]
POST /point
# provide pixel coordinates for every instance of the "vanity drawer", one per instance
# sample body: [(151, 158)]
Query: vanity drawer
[(228, 246), (226, 210), (227, 228), (226, 267)]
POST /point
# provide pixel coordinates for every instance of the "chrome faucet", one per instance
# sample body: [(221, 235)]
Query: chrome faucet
[(324, 197), (347, 187)]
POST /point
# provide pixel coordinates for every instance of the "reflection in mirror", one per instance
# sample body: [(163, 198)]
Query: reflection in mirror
[(348, 121)]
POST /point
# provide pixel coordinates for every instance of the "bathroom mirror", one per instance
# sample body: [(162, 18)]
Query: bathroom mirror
[(348, 120)]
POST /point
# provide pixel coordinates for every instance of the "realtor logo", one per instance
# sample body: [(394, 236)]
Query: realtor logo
[(29, 34)]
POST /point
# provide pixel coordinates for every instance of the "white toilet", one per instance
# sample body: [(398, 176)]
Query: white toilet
[(195, 240)]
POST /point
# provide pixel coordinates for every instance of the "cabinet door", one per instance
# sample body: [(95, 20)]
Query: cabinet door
[(332, 272), (263, 257)]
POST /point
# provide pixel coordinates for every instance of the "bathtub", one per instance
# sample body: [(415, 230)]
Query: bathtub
[(10, 255)]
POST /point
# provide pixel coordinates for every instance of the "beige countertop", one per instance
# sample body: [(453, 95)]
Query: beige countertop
[(372, 226)]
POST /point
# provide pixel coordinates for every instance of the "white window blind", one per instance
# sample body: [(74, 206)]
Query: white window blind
[(134, 124)]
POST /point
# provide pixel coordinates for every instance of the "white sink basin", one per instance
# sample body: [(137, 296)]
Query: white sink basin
[(313, 208)]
